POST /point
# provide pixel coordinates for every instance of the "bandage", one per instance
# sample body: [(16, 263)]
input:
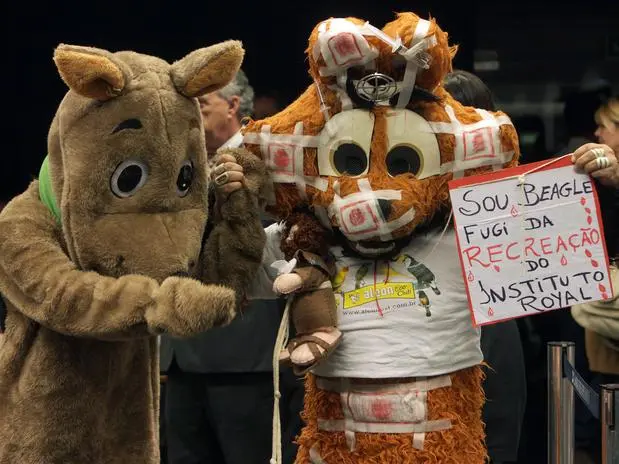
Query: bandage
[(395, 408), (359, 217), (283, 155), (477, 144), (342, 46)]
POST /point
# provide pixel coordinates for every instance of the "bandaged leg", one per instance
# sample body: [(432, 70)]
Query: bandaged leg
[(429, 420)]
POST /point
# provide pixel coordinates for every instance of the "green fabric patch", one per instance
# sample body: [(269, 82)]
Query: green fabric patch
[(46, 193)]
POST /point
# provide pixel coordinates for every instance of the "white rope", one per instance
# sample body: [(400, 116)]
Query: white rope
[(280, 342)]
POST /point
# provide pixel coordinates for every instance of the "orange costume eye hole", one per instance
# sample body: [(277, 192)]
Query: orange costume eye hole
[(403, 159), (350, 159)]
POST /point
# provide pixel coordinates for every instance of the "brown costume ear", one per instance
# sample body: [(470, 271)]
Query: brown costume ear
[(90, 72), (207, 69)]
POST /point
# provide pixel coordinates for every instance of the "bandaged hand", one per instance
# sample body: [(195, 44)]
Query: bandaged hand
[(598, 160), (227, 175)]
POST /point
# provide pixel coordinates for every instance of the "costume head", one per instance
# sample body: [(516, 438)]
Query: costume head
[(371, 145), (127, 155)]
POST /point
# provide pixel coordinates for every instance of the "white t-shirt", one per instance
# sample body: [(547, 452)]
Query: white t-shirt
[(420, 324)]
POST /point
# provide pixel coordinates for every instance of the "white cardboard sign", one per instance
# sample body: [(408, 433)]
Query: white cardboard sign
[(530, 240)]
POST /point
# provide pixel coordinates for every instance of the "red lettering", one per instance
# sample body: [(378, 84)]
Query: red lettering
[(492, 253), (528, 246), (507, 250), (472, 253), (561, 244), (585, 238), (545, 243), (569, 240)]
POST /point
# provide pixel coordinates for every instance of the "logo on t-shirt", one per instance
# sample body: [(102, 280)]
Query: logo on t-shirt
[(382, 286)]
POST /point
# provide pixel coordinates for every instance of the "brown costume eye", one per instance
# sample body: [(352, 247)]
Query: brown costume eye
[(403, 159), (128, 178), (185, 178), (350, 159)]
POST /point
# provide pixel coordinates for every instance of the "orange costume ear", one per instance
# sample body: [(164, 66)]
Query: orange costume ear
[(91, 72)]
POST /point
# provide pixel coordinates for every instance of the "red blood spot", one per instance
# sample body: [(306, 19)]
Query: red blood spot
[(588, 253), (602, 288), (281, 158), (594, 263), (605, 296), (381, 409), (589, 220), (345, 44), (490, 312), (471, 277), (563, 261), (514, 211), (588, 210), (583, 200), (497, 268), (357, 217)]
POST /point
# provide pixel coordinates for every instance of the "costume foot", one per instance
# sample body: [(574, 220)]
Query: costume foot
[(311, 348)]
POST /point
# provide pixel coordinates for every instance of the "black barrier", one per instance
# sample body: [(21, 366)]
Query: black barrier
[(587, 395), (563, 380)]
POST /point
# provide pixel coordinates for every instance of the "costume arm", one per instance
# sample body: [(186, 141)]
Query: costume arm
[(39, 280), (234, 249), (312, 278)]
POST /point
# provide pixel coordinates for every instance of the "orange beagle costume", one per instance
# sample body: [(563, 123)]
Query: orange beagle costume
[(369, 149)]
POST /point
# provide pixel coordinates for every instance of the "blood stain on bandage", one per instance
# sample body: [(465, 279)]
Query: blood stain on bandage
[(381, 409), (357, 217), (344, 48), (281, 158)]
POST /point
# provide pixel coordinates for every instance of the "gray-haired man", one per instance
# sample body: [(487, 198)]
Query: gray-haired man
[(219, 391)]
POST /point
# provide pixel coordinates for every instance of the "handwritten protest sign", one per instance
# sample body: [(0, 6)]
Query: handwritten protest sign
[(530, 240)]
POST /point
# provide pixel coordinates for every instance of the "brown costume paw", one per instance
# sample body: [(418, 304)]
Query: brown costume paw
[(186, 307)]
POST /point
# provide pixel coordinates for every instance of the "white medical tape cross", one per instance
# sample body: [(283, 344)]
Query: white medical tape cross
[(359, 216), (462, 158), (290, 148), (418, 45)]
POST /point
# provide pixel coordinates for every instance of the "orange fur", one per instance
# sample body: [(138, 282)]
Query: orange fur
[(463, 443)]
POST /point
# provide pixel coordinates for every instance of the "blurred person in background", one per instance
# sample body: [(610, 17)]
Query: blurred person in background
[(602, 351)]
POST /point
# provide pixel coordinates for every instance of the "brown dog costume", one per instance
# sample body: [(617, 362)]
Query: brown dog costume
[(369, 149), (96, 257)]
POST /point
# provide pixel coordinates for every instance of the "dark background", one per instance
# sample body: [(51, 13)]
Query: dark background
[(536, 42)]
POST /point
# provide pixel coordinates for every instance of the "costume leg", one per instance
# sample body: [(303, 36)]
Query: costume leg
[(462, 443), (240, 409), (189, 437)]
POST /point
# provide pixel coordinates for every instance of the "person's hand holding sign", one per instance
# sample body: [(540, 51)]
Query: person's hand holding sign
[(598, 160)]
